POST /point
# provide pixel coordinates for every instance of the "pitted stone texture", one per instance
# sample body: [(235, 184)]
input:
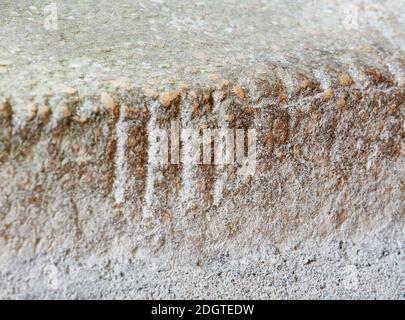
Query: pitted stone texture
[(84, 214)]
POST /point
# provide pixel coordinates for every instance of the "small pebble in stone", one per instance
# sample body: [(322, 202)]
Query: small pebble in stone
[(109, 103), (238, 90), (44, 113), (229, 117), (328, 94), (341, 102), (69, 91), (306, 84), (31, 111), (168, 98), (345, 80), (150, 93), (5, 110)]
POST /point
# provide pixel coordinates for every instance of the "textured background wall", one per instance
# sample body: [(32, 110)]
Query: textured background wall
[(84, 214)]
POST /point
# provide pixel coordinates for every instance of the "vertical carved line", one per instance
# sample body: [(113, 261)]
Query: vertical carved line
[(150, 176), (121, 132)]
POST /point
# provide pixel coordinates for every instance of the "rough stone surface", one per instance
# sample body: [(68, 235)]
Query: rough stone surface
[(85, 214)]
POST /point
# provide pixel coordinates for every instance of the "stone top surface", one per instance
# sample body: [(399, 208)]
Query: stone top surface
[(163, 44)]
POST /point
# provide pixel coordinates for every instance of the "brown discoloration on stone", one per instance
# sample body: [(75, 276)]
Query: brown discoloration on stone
[(64, 113), (223, 95), (239, 92), (229, 117), (340, 217), (281, 128), (341, 102), (356, 96), (293, 152), (6, 145), (109, 105), (195, 107), (327, 95), (340, 182), (80, 120), (5, 110), (345, 80), (168, 98), (269, 141), (44, 113), (375, 75), (305, 84), (150, 93), (250, 111), (379, 76), (207, 98), (308, 84), (111, 150), (282, 97), (136, 155), (31, 111)]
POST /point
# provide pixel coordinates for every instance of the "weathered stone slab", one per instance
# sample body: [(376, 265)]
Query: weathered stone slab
[(86, 212)]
